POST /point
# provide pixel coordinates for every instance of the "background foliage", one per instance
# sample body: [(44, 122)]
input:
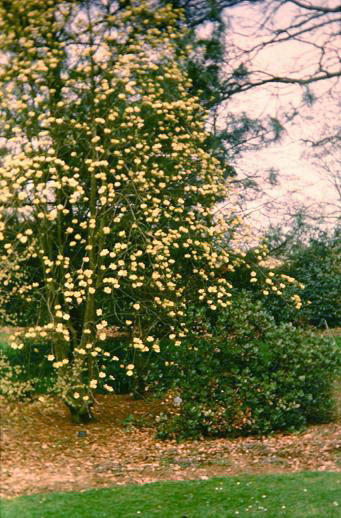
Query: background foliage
[(317, 264)]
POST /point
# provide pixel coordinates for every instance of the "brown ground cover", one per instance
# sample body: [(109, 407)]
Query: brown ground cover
[(43, 451)]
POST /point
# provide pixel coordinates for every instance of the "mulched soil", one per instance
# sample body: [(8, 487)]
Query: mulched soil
[(43, 451)]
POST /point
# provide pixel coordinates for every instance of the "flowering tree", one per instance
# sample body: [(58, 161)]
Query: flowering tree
[(109, 183)]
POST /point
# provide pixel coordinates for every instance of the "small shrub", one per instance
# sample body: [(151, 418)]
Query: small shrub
[(14, 385), (256, 378), (26, 367)]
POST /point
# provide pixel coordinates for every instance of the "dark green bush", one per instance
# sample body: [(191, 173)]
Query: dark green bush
[(25, 367), (154, 373), (255, 378), (318, 266)]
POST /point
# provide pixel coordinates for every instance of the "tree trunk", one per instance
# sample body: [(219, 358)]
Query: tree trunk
[(138, 390)]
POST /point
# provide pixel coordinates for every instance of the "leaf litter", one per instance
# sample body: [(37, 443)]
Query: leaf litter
[(43, 451)]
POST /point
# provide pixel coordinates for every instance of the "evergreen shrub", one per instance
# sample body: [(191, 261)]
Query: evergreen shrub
[(251, 376)]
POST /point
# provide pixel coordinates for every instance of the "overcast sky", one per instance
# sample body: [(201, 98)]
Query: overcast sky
[(297, 171)]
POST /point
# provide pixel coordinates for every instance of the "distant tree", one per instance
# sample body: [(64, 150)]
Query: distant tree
[(325, 153), (316, 263), (225, 65), (236, 65)]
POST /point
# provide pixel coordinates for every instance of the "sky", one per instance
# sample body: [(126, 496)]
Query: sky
[(301, 181)]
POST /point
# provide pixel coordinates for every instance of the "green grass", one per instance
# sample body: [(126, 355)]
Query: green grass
[(299, 495), (337, 340)]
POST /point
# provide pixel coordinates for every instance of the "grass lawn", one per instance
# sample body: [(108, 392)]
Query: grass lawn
[(299, 495), (338, 340)]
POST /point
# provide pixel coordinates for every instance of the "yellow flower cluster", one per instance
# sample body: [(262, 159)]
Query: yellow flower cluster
[(108, 180)]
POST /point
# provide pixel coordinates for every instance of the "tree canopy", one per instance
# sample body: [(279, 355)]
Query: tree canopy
[(107, 185)]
